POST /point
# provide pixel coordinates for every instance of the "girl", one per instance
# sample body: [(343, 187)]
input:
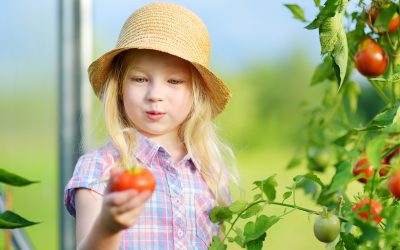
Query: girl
[(159, 100)]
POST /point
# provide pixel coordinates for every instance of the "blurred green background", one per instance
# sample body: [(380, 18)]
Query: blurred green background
[(263, 123)]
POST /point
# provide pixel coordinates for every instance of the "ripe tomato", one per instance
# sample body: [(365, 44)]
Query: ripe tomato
[(394, 184), (363, 167), (375, 209), (373, 14), (371, 59), (140, 179), (326, 228)]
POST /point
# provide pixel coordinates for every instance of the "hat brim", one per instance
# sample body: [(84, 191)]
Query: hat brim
[(220, 93)]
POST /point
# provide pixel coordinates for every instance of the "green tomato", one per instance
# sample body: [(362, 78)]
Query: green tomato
[(326, 228), (321, 157)]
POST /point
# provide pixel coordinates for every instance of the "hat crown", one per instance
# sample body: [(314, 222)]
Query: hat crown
[(168, 28)]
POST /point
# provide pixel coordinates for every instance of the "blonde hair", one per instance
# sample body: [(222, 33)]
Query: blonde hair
[(212, 156)]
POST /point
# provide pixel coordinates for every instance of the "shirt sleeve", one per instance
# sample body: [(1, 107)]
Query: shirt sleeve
[(89, 174)]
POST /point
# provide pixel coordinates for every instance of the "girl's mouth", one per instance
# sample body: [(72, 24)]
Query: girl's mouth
[(154, 115)]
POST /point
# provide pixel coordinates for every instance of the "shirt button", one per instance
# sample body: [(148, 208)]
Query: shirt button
[(180, 233), (177, 200)]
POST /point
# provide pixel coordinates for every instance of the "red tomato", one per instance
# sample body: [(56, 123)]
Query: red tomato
[(394, 184), (384, 171), (394, 22), (374, 210), (371, 59), (140, 179), (363, 167)]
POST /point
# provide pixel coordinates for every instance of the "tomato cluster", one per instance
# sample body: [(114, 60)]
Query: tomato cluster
[(371, 60)]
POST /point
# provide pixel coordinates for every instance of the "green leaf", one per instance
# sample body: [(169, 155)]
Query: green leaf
[(268, 187), (238, 206), (384, 118), (317, 3), (253, 231), (220, 214), (350, 242), (13, 179), (374, 149), (329, 10), (322, 72), (310, 176), (342, 177), (297, 11), (216, 244), (12, 220), (256, 244), (369, 230), (287, 195), (251, 211), (294, 162)]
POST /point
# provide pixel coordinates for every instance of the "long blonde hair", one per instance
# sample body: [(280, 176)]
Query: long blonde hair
[(209, 153)]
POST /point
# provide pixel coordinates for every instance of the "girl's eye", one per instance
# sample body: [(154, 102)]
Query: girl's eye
[(174, 81), (139, 79)]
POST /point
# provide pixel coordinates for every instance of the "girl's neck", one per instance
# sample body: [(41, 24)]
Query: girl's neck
[(175, 147)]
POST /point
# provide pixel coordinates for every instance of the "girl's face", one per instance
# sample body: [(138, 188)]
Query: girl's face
[(157, 92)]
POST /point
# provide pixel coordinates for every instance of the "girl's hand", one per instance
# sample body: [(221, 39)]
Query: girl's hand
[(120, 210)]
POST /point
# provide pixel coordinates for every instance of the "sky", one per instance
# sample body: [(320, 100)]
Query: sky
[(240, 32)]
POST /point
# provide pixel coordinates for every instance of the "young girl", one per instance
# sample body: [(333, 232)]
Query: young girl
[(159, 101)]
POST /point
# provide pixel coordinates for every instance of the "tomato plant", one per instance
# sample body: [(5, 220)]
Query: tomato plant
[(371, 59), (339, 141), (137, 178)]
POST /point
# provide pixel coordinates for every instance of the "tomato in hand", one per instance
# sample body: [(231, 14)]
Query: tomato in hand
[(373, 14), (326, 227), (140, 179), (363, 167), (371, 59), (394, 184), (375, 209)]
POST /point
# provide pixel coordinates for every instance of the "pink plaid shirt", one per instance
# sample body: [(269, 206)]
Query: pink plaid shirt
[(175, 217)]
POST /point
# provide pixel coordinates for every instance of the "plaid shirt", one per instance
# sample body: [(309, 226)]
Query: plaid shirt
[(175, 217)]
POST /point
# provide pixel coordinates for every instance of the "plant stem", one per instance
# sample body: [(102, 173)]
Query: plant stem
[(277, 204)]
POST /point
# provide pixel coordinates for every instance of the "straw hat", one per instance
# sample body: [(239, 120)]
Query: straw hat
[(168, 28)]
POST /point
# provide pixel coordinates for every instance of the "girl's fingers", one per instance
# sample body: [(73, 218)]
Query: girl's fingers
[(119, 198), (137, 201)]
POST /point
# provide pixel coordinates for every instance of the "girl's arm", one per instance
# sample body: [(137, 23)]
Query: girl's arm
[(100, 220)]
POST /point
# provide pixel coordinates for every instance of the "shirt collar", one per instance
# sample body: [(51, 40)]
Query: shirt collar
[(146, 150)]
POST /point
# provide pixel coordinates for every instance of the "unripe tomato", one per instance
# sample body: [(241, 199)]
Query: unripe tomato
[(375, 209), (371, 59), (363, 166), (326, 228), (373, 14), (140, 179), (394, 184), (321, 157)]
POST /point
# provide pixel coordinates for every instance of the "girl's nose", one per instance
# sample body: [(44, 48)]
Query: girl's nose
[(155, 92)]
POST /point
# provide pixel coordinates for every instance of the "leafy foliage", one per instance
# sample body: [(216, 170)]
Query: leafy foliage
[(335, 139), (9, 219)]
